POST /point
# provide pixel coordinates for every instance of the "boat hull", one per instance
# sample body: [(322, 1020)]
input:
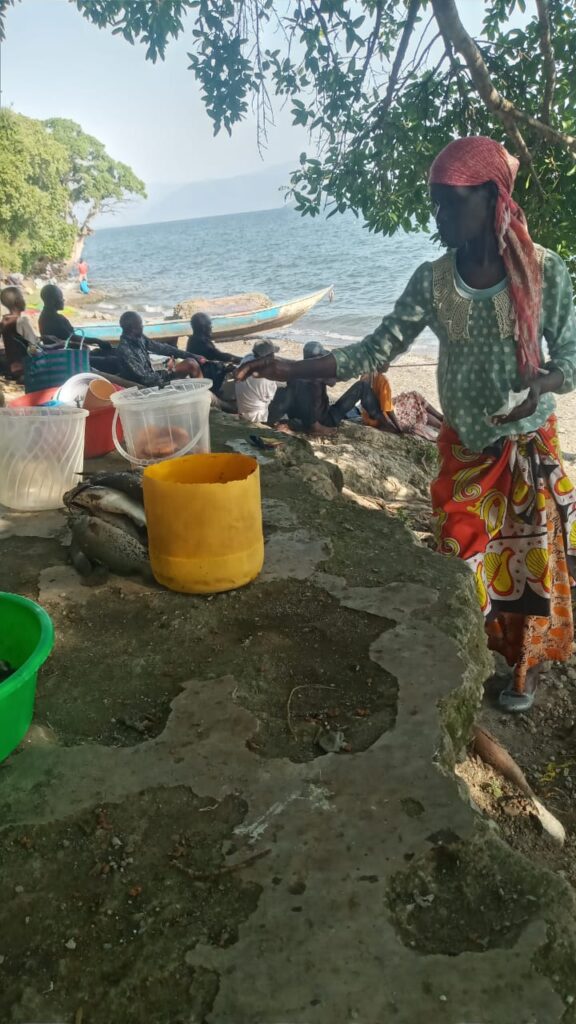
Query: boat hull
[(226, 327)]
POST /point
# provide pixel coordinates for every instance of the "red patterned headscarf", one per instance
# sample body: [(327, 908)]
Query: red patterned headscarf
[(475, 161)]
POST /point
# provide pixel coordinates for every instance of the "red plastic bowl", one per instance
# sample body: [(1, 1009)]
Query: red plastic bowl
[(98, 434)]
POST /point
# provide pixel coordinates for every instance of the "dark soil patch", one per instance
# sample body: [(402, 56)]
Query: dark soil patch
[(120, 661), (98, 913), (456, 899), (23, 558)]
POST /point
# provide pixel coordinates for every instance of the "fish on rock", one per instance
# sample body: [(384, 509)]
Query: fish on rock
[(98, 498), (110, 541), (129, 482)]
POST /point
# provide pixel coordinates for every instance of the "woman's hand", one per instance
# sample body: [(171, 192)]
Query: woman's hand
[(551, 380), (318, 368), (525, 409), (269, 367)]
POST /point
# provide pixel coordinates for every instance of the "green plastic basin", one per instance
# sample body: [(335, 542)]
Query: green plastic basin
[(26, 640)]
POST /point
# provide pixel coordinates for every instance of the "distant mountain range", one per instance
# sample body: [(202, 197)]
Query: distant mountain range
[(242, 194)]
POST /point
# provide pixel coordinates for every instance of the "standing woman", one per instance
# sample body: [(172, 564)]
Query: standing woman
[(502, 500)]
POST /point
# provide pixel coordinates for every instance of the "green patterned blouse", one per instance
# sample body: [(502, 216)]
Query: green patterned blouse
[(477, 365)]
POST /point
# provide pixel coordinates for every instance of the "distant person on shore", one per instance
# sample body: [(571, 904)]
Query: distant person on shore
[(253, 395), (82, 270), (502, 499), (407, 413), (307, 401), (17, 333), (133, 356), (200, 342)]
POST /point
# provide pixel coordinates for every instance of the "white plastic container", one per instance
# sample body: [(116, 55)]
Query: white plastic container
[(163, 423), (41, 455), (73, 392)]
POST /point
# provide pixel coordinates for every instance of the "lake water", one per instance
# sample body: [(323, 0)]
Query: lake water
[(152, 267)]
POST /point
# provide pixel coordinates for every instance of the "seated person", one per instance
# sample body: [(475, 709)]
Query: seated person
[(200, 341), (307, 400), (54, 326), (16, 331), (133, 356), (52, 323), (408, 413), (253, 395)]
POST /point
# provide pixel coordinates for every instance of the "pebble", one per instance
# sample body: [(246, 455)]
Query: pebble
[(443, 999), (18, 888), (71, 944), (116, 842), (2, 959)]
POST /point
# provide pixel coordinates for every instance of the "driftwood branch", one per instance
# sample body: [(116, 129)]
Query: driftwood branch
[(547, 52), (452, 29)]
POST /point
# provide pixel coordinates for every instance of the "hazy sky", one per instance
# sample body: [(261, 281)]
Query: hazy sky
[(56, 64)]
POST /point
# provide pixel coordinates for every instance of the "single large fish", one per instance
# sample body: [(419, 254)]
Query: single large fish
[(108, 542), (98, 499), (129, 482)]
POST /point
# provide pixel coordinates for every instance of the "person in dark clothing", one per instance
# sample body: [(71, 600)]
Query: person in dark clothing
[(52, 323), (200, 342), (307, 400), (133, 356)]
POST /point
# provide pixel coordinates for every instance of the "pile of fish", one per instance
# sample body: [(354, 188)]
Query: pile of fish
[(107, 523)]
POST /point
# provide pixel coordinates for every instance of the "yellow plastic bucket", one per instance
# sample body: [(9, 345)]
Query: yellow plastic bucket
[(204, 520)]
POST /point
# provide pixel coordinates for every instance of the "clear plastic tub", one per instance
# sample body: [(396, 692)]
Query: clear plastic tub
[(41, 455), (163, 423)]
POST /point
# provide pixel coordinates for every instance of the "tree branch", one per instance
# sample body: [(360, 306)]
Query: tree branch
[(324, 26), (524, 153), (374, 36), (548, 58), (411, 15), (413, 68), (452, 29)]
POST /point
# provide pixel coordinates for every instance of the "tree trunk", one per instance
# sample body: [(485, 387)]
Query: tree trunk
[(82, 232), (76, 252)]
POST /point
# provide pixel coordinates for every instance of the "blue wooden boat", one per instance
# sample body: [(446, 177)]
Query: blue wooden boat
[(225, 327)]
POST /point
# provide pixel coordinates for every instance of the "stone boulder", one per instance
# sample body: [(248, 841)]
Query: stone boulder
[(378, 464)]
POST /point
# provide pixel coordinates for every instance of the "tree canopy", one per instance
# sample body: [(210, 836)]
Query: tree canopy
[(95, 182), (382, 85), (33, 197), (54, 179)]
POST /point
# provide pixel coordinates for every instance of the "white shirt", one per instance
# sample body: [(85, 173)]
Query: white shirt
[(25, 330), (254, 395)]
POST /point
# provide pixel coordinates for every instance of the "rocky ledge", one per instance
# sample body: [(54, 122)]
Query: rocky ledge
[(242, 808)]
